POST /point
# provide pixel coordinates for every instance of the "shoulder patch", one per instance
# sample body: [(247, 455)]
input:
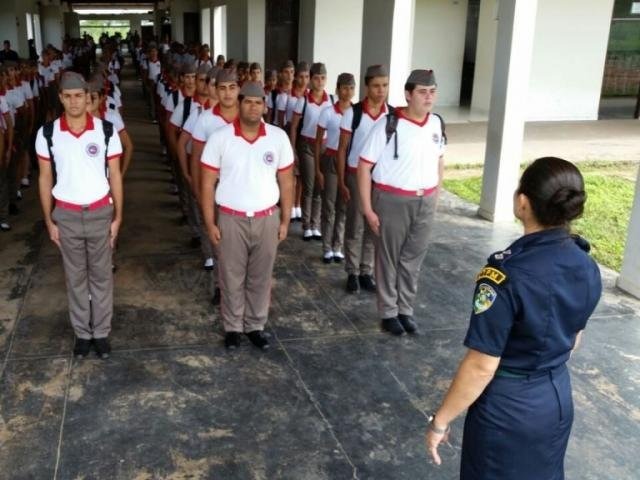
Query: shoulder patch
[(493, 274), (484, 298)]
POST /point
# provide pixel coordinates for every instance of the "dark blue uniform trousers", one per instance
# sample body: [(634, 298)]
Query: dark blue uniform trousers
[(519, 428)]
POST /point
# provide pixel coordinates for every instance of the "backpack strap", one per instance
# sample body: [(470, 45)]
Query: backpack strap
[(47, 132), (443, 127), (175, 95), (332, 98), (107, 129), (186, 109), (274, 110), (355, 123), (391, 130), (304, 110)]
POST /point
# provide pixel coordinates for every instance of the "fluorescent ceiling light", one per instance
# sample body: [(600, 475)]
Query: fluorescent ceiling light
[(111, 11)]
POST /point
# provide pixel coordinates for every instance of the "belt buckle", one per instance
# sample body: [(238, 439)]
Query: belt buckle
[(250, 214), (420, 192), (85, 208)]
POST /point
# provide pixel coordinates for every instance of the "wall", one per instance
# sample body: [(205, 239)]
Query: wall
[(341, 52), (438, 43), (8, 29), (568, 59), (178, 7), (485, 55)]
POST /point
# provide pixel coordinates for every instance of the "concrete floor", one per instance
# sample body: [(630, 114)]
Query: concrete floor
[(334, 398)]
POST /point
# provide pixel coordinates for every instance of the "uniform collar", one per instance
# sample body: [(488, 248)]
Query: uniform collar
[(218, 112), (64, 126), (336, 108), (400, 114), (549, 235), (365, 109), (310, 98), (262, 131)]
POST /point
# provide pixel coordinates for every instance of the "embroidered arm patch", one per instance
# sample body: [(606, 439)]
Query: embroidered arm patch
[(493, 274)]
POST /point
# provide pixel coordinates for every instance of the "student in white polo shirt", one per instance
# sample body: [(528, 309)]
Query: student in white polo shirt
[(252, 161), (354, 128), (86, 192), (333, 207), (407, 151), (224, 112), (285, 85), (303, 137)]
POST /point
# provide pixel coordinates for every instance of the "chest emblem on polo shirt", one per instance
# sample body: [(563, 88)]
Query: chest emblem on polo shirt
[(436, 138), (485, 296), (92, 149), (268, 158)]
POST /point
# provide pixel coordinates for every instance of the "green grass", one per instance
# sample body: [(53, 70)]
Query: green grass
[(610, 189)]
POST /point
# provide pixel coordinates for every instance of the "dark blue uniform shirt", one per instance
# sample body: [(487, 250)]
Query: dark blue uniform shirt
[(532, 299)]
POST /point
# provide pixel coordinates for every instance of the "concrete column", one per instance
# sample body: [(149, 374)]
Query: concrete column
[(514, 46), (629, 279), (387, 38)]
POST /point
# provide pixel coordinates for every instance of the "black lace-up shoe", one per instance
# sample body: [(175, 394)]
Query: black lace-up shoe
[(259, 339), (392, 325), (103, 349), (366, 283), (408, 323)]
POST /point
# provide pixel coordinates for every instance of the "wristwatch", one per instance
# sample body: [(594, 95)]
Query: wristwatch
[(433, 428)]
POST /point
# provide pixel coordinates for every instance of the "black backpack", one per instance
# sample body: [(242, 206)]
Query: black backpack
[(107, 128)]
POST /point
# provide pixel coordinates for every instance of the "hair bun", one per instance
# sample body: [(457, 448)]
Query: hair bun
[(568, 203)]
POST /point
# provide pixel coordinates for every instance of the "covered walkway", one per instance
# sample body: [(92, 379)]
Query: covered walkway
[(334, 398)]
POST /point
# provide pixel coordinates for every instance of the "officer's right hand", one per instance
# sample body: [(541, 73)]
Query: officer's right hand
[(344, 192), (54, 233), (320, 180), (214, 234)]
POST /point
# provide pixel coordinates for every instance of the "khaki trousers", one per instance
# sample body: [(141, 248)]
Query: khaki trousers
[(333, 208), (311, 201), (86, 255), (358, 237), (247, 252), (405, 226)]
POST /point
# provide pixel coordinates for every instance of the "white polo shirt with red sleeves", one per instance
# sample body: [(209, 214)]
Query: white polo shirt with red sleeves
[(248, 168), (115, 118), (311, 114), (329, 120), (367, 121), (290, 105), (208, 122), (420, 146), (79, 160)]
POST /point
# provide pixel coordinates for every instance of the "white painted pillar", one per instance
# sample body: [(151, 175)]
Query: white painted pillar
[(387, 39), (505, 133), (629, 279)]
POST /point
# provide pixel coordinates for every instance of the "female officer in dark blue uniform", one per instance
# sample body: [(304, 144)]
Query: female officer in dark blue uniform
[(531, 303)]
